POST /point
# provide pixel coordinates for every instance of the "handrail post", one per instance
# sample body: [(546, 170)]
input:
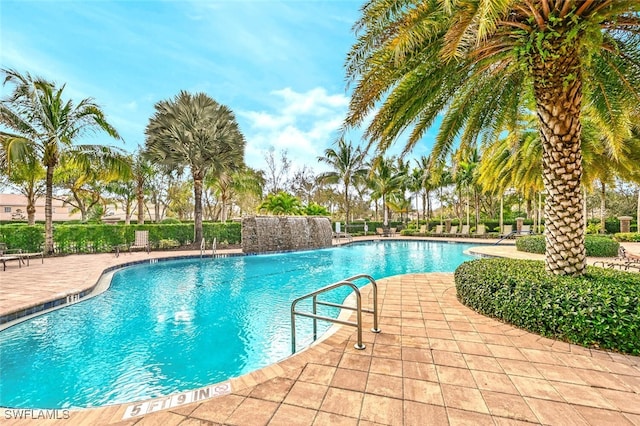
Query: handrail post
[(315, 320), (293, 328), (359, 344)]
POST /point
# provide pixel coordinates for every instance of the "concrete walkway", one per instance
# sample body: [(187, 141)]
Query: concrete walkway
[(435, 362)]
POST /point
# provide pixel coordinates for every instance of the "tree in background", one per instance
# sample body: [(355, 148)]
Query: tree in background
[(43, 124), (281, 203), (347, 163), (195, 132)]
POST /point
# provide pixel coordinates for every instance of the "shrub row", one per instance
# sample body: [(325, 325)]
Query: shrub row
[(597, 246), (628, 236), (599, 309), (102, 238)]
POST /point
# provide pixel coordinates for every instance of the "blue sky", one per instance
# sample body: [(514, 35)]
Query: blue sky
[(277, 64)]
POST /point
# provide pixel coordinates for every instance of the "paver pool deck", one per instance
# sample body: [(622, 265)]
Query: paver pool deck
[(435, 362)]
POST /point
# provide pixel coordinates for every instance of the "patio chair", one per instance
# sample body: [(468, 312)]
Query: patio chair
[(392, 231), (453, 230), (524, 230), (423, 229), (481, 230), (380, 231), (464, 232), (507, 230), (141, 241), (7, 255), (438, 230)]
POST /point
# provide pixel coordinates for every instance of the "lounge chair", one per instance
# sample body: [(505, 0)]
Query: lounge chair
[(453, 230), (481, 230), (392, 231), (423, 229), (507, 230), (464, 232), (438, 230), (141, 241), (380, 231)]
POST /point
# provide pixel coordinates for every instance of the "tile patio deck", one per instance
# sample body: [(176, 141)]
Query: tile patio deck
[(435, 362)]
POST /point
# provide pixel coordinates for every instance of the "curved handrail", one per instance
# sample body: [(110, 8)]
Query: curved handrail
[(314, 315)]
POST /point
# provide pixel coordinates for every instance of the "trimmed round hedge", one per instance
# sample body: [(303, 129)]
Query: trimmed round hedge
[(596, 246), (599, 309)]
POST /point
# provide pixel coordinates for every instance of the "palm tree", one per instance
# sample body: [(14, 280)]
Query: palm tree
[(27, 177), (42, 123), (481, 62), (195, 132), (281, 203), (384, 180), (348, 168)]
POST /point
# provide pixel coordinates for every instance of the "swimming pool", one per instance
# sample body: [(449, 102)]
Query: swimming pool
[(183, 324)]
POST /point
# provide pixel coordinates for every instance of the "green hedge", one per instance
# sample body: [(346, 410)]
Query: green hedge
[(83, 238), (22, 236), (597, 246), (599, 309), (628, 236)]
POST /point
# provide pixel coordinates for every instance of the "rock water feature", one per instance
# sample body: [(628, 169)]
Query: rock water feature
[(262, 234)]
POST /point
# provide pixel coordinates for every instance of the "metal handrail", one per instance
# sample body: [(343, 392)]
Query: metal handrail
[(314, 315), (214, 244), (203, 246)]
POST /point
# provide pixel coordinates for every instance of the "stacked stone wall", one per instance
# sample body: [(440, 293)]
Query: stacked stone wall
[(262, 234)]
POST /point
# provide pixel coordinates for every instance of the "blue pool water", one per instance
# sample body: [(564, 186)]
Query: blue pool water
[(184, 324)]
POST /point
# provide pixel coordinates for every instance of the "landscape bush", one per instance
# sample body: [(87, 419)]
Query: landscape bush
[(85, 238), (628, 237), (599, 309), (596, 245)]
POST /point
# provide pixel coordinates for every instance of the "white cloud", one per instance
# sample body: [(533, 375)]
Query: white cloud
[(304, 125)]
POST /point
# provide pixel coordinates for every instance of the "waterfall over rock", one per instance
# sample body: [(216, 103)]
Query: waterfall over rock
[(262, 234)]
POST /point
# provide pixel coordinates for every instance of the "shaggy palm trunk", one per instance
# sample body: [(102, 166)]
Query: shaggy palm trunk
[(558, 94), (346, 206), (197, 210), (140, 197), (48, 211), (31, 211)]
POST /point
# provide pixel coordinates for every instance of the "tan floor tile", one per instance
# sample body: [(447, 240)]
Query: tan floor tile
[(344, 402), (274, 390), (482, 363), (624, 401), (599, 416), (332, 419), (443, 345), (418, 355), (383, 385), (455, 376), (253, 411), (350, 379), (382, 410), (415, 341), (218, 409), (519, 368), (197, 422), (464, 398), (556, 413), (419, 414), (422, 391), (507, 352), (319, 374), (582, 395), (419, 370), (355, 362), (536, 388), (290, 415), (387, 351), (560, 373), (601, 380), (497, 382), (161, 418), (451, 359), (307, 395), (474, 348), (465, 418), (633, 418), (386, 366), (439, 334), (511, 406)]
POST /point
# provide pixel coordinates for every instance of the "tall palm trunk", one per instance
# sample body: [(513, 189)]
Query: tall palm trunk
[(48, 211), (140, 197), (346, 205), (558, 94), (197, 220), (603, 206)]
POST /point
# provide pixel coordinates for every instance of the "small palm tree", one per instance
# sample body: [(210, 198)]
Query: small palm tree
[(481, 62), (348, 169), (44, 124), (384, 180), (281, 203), (195, 132)]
